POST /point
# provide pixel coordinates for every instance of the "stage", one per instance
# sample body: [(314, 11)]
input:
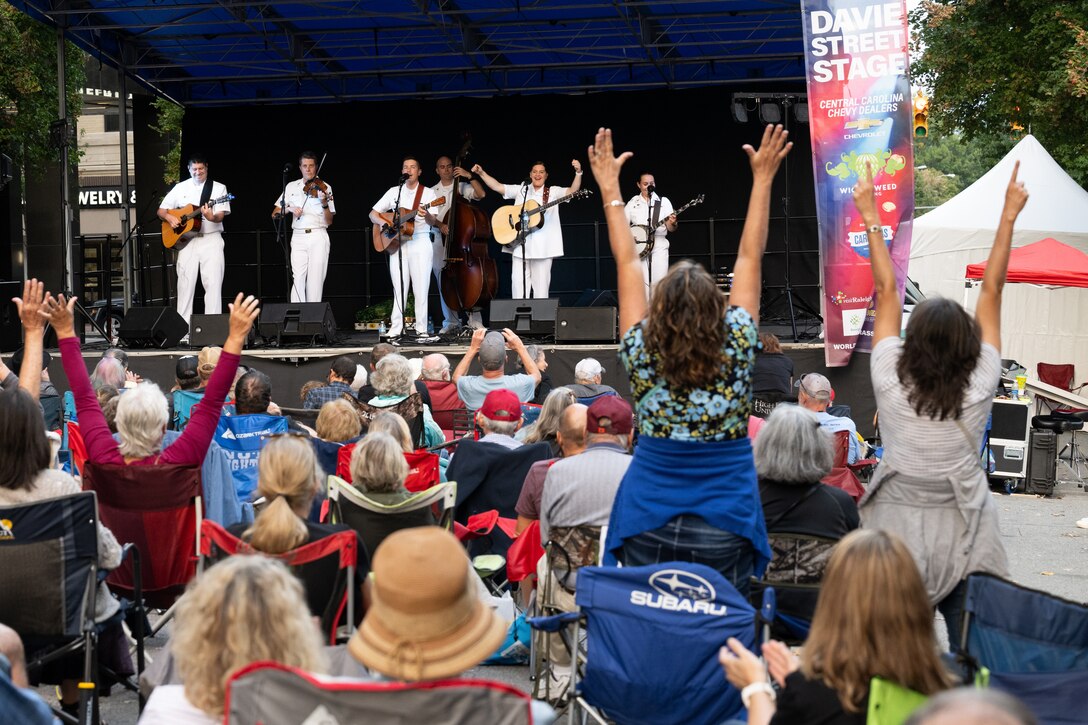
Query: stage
[(291, 367)]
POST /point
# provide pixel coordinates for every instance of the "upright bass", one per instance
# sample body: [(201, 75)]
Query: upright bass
[(470, 277)]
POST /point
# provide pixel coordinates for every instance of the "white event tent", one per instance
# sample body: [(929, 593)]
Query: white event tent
[(1038, 324)]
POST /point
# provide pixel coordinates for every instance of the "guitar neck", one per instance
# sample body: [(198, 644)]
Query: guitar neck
[(680, 211), (560, 200)]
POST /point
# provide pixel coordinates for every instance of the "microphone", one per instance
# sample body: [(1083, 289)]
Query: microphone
[(404, 177), (651, 189), (287, 168), (528, 180)]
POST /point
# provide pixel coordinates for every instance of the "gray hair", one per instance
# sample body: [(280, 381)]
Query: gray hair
[(499, 427), (378, 464), (141, 420), (393, 376), (108, 371), (435, 366), (792, 447), (551, 412)]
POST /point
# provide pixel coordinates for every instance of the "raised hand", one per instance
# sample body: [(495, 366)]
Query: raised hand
[(772, 149), (781, 661), (1016, 196), (577, 165), (742, 668), (243, 313), (477, 338), (30, 305), (59, 313), (865, 197), (513, 342), (606, 167)]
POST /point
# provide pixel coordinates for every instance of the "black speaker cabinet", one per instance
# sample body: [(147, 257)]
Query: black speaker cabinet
[(211, 330), (11, 328), (1043, 462), (586, 324), (299, 322), (160, 327), (533, 318)]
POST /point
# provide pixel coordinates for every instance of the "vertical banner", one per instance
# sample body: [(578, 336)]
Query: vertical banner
[(860, 112)]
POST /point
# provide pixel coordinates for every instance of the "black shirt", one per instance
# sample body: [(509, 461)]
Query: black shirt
[(829, 512), (772, 373), (805, 702)]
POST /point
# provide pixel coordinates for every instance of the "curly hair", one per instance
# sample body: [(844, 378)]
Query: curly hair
[(242, 610), (873, 619), (684, 327), (939, 354)]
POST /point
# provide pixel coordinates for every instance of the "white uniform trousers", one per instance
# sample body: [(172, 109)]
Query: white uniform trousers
[(204, 256), (539, 278), (417, 254), (309, 263), (438, 249), (655, 266)]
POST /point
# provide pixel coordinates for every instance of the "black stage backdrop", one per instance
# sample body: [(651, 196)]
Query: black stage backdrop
[(687, 139)]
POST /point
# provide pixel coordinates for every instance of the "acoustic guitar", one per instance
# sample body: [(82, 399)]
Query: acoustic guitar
[(190, 218), (388, 238), (644, 236), (506, 225)]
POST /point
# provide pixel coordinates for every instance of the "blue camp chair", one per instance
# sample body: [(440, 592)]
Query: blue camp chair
[(1035, 646), (242, 437), (68, 413), (652, 640)]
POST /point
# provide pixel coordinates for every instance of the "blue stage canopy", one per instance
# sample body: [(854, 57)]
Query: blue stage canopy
[(232, 52)]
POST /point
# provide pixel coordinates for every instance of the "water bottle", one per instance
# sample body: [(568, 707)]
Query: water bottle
[(430, 328), (381, 329)]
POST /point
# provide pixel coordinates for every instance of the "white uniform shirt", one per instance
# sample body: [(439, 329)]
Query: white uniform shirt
[(407, 201), (639, 212), (467, 193), (188, 192), (313, 216), (547, 241)]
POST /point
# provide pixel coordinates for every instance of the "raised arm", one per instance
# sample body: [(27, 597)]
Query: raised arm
[(577, 183), (30, 372), (606, 170), (514, 343), (988, 310), (747, 274), (466, 361), (491, 181), (889, 308)]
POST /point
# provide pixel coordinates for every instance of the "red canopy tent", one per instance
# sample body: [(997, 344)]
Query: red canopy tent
[(1046, 262)]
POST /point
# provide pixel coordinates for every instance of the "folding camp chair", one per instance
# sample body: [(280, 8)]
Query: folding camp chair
[(653, 634), (269, 692), (49, 556), (529, 413), (1034, 645), (216, 543), (842, 474), (76, 447), (423, 468), (464, 423), (491, 568), (158, 509), (375, 521), (183, 402), (795, 572)]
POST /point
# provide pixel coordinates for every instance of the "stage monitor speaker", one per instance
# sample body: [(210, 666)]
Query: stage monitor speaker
[(160, 327), (1043, 462), (298, 322), (596, 298), (212, 330), (11, 328), (533, 318), (586, 324)]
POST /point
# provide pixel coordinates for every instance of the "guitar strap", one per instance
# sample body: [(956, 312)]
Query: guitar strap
[(206, 192), (547, 189), (419, 195)]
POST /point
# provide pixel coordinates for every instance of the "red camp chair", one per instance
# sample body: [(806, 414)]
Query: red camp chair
[(216, 543), (843, 475), (423, 469), (1060, 376), (76, 447), (524, 553), (158, 509)]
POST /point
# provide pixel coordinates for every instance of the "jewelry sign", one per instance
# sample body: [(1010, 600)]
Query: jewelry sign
[(860, 117)]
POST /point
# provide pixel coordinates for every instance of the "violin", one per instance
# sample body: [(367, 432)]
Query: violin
[(315, 186)]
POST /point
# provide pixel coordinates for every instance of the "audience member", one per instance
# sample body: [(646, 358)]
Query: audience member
[(18, 702), (394, 390), (772, 376), (444, 397), (545, 386), (186, 375), (308, 386), (378, 468), (572, 441), (45, 386), (394, 425), (546, 426), (491, 349), (792, 454), (337, 422), (499, 417), (934, 389), (690, 493), (972, 706), (814, 393), (341, 376), (367, 392), (360, 378), (242, 436), (289, 481), (108, 371), (206, 362), (873, 618), (245, 609), (587, 381)]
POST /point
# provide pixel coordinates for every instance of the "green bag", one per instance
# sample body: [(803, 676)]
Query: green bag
[(891, 704)]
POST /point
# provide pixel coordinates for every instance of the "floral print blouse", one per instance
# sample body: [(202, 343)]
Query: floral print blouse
[(717, 412)]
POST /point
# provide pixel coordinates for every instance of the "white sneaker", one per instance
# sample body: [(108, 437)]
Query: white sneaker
[(1083, 523), (475, 321), (426, 339)]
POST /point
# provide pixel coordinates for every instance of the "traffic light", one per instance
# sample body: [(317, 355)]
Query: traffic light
[(921, 114)]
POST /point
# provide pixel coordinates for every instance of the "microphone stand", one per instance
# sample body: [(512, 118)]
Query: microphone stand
[(403, 301), (280, 226), (523, 215)]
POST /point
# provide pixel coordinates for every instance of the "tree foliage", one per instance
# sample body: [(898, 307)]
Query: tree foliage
[(168, 119), (994, 65), (28, 88), (952, 163)]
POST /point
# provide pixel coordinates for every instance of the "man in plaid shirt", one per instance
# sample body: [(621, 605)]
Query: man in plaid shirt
[(340, 376)]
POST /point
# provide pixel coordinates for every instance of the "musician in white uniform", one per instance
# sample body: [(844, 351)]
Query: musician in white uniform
[(645, 211), (311, 216), (470, 191), (416, 251), (541, 245), (203, 254)]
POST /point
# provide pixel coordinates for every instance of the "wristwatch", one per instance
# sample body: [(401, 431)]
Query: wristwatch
[(751, 689)]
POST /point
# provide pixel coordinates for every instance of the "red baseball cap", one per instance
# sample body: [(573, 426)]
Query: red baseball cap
[(610, 414), (502, 405)]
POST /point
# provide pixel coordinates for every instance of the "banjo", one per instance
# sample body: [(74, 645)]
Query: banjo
[(644, 235)]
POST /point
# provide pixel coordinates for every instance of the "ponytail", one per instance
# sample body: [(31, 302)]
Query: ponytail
[(277, 529)]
